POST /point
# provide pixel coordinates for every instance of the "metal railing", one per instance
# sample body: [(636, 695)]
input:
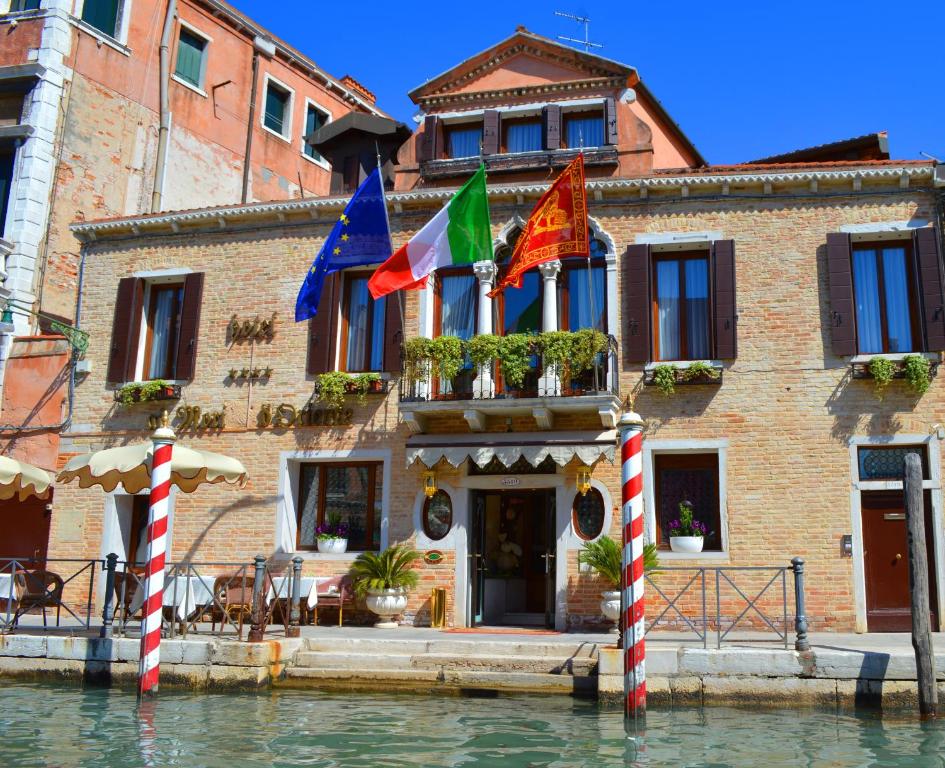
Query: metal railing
[(31, 585), (761, 604), (541, 381)]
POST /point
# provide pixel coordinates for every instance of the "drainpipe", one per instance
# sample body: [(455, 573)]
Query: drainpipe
[(267, 48), (165, 129)]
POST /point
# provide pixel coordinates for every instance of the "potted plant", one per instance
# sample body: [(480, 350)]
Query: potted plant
[(605, 557), (686, 534), (383, 580), (332, 536), (147, 391)]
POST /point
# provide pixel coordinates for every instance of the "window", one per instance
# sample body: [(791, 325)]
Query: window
[(522, 135), (463, 141), (191, 58), (437, 516), (350, 492), (162, 331), (103, 15), (882, 287), (692, 477), (583, 129), (362, 327), (577, 307), (887, 462), (23, 5), (587, 514), (138, 531), (6, 183), (681, 306), (315, 118), (455, 311), (278, 112)]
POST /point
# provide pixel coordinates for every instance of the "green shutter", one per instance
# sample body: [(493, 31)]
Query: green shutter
[(314, 119), (101, 14), (276, 103), (190, 58)]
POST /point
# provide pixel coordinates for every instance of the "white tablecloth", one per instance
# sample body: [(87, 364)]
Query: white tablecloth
[(184, 593), (7, 590), (308, 590)]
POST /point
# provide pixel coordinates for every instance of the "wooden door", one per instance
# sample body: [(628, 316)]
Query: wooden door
[(24, 533), (886, 564)]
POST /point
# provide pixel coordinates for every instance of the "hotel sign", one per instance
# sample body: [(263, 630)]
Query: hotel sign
[(511, 482)]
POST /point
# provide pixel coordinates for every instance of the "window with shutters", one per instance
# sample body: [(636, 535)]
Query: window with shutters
[(191, 57), (162, 331), (687, 477), (522, 134), (463, 140), (103, 15), (362, 326), (315, 117), (584, 129), (455, 311), (277, 108), (884, 297), (681, 312), (24, 5), (350, 493)]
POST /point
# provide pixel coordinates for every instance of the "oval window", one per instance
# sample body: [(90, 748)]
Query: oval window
[(437, 515), (587, 514)]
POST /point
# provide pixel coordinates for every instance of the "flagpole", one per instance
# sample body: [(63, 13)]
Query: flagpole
[(390, 242), (590, 273)]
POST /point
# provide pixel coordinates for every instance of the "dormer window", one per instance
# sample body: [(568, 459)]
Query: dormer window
[(521, 134), (463, 140), (583, 129)]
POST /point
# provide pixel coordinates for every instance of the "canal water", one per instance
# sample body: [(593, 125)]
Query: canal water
[(42, 725)]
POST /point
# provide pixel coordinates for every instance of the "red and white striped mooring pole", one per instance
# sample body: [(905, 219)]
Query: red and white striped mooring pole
[(631, 478), (149, 664)]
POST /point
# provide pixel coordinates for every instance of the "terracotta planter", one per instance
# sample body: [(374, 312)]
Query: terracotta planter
[(333, 546), (386, 603), (689, 544), (610, 607)]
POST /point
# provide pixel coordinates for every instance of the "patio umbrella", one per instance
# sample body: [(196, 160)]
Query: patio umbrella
[(158, 465), (20, 480)]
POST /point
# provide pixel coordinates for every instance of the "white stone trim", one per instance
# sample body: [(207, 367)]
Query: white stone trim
[(575, 542), (677, 241), (934, 485), (205, 53), (883, 230), (289, 110), (285, 525), (517, 109), (448, 542), (653, 447), (320, 161)]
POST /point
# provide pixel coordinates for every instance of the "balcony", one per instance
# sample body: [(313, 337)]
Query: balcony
[(518, 161), (479, 392)]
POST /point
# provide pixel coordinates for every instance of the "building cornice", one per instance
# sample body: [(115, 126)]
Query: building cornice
[(507, 96), (278, 212)]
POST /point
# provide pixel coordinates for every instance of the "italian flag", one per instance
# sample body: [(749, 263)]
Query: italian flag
[(459, 234)]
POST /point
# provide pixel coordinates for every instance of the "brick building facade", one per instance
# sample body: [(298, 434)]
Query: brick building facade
[(764, 273)]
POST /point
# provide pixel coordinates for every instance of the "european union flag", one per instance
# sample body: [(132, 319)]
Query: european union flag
[(361, 236)]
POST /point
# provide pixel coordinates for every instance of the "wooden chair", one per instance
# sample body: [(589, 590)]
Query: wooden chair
[(37, 589), (336, 591), (127, 584), (234, 595)]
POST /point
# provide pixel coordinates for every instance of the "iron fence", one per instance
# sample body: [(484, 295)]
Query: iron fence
[(31, 585)]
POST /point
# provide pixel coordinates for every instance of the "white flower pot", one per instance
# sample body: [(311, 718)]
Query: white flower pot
[(610, 607), (333, 546), (690, 544), (386, 603)]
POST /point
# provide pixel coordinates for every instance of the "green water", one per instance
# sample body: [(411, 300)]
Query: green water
[(41, 725)]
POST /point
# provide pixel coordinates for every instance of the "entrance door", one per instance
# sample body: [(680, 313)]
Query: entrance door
[(886, 564), (511, 558), (24, 532)]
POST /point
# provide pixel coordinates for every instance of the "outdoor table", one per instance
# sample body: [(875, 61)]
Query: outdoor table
[(7, 588), (308, 590), (185, 594)]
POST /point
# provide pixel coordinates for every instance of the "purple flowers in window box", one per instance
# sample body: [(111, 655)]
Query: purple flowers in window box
[(333, 529), (686, 534)]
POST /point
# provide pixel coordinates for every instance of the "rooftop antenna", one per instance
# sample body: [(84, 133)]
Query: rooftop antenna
[(586, 42)]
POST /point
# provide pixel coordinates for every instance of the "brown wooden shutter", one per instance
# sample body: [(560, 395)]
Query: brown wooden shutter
[(929, 269), (723, 296), (126, 328), (551, 126), (393, 333), (490, 132), (189, 326), (636, 288), (840, 273), (610, 121), (322, 328), (428, 144)]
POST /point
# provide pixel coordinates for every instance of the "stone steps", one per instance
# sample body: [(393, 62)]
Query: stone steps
[(413, 647), (551, 665)]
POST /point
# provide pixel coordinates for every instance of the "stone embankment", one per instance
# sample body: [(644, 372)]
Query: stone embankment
[(566, 664)]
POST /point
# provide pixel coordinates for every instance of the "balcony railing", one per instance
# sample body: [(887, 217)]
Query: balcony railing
[(486, 382), (518, 161)]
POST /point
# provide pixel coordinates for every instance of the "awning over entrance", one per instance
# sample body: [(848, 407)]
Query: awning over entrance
[(509, 447)]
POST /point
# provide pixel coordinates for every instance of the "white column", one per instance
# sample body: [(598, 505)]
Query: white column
[(485, 271), (548, 383)]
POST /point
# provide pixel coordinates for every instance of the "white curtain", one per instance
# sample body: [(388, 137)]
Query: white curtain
[(162, 334), (357, 324), (667, 300), (897, 300), (866, 291), (697, 308), (457, 311)]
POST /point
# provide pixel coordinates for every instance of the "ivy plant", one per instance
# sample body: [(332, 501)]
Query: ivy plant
[(664, 378), (417, 358), (363, 383), (331, 388), (917, 370), (515, 351), (586, 345), (700, 370), (446, 353), (141, 392), (483, 349), (882, 370), (556, 349)]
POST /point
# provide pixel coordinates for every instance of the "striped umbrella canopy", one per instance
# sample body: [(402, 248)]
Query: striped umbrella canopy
[(19, 480), (130, 465)]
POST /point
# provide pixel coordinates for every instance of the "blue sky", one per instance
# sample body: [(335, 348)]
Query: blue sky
[(743, 80)]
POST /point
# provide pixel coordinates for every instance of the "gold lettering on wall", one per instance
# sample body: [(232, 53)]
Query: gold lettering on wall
[(286, 415), (252, 330)]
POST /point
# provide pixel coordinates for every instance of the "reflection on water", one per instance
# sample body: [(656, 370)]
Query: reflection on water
[(47, 726)]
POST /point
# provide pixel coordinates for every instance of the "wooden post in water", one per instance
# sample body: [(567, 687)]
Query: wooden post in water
[(919, 586)]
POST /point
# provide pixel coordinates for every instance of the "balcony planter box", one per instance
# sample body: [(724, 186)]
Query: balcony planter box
[(379, 387), (683, 377), (860, 369), (168, 392)]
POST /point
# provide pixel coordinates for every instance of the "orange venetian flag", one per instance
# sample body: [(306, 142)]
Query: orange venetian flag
[(556, 228)]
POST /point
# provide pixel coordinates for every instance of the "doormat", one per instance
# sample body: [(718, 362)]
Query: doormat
[(500, 631)]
